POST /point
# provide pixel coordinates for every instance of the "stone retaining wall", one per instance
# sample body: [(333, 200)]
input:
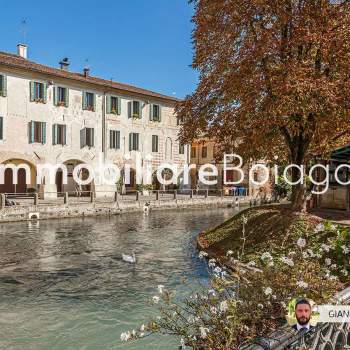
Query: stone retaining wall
[(58, 211)]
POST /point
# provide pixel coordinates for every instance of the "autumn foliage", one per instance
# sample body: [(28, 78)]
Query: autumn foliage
[(274, 78)]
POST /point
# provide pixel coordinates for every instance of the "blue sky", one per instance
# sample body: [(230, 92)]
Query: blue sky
[(146, 43)]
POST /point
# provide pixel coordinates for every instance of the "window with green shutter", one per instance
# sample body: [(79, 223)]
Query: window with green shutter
[(3, 85), (61, 96), (89, 101), (90, 137), (135, 109), (59, 134), (87, 137), (38, 92), (113, 105), (133, 141), (37, 132), (114, 139), (181, 148), (155, 113), (1, 128), (155, 141)]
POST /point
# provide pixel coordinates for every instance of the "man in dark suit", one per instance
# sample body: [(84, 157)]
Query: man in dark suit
[(303, 315)]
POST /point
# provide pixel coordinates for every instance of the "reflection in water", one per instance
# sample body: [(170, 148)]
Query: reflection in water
[(64, 286)]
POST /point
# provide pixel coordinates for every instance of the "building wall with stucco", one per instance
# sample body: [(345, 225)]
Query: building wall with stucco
[(17, 111)]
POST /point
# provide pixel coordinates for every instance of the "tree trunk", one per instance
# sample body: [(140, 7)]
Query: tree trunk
[(299, 197), (298, 145)]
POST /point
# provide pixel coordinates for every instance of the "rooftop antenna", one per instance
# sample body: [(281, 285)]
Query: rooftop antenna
[(24, 30)]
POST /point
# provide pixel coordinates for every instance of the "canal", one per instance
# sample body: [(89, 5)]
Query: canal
[(63, 285)]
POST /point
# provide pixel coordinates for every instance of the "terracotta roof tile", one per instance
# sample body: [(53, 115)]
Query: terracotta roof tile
[(15, 61)]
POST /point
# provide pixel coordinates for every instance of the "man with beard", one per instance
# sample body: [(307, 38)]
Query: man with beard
[(303, 315)]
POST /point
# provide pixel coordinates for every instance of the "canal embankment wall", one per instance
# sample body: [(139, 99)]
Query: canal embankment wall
[(85, 209)]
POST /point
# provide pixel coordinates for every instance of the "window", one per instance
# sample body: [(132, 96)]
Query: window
[(3, 85), (181, 148), (133, 141), (60, 96), (37, 92), (89, 101), (179, 120), (155, 139), (37, 132), (1, 128), (59, 134), (114, 139), (113, 105), (193, 152), (204, 152), (135, 109), (87, 137), (155, 113)]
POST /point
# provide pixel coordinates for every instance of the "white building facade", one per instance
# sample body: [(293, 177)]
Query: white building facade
[(55, 116)]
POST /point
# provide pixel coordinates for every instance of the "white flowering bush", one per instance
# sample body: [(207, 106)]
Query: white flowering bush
[(248, 294)]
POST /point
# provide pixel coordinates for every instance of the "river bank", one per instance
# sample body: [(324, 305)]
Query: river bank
[(267, 227), (278, 255), (100, 208)]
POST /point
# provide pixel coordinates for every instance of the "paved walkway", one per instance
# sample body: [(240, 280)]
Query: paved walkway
[(341, 217)]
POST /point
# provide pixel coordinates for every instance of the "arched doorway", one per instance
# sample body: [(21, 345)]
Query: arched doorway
[(72, 187), (167, 174), (22, 186)]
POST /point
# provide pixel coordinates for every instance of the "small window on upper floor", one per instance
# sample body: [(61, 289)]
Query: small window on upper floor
[(193, 152), (155, 143), (38, 92), (181, 148), (87, 137), (155, 113), (37, 132), (3, 85), (60, 96), (204, 152), (133, 141), (59, 134), (89, 101), (180, 120), (113, 105), (135, 109), (114, 139)]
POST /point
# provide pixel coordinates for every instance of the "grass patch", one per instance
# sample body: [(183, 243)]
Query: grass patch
[(274, 228)]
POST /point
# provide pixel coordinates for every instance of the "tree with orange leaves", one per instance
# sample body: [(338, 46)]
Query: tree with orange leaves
[(274, 79)]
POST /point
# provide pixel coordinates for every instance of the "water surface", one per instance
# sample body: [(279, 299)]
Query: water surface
[(63, 285)]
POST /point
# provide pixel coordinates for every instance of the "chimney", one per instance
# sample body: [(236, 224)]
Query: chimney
[(64, 63), (22, 50), (86, 72)]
